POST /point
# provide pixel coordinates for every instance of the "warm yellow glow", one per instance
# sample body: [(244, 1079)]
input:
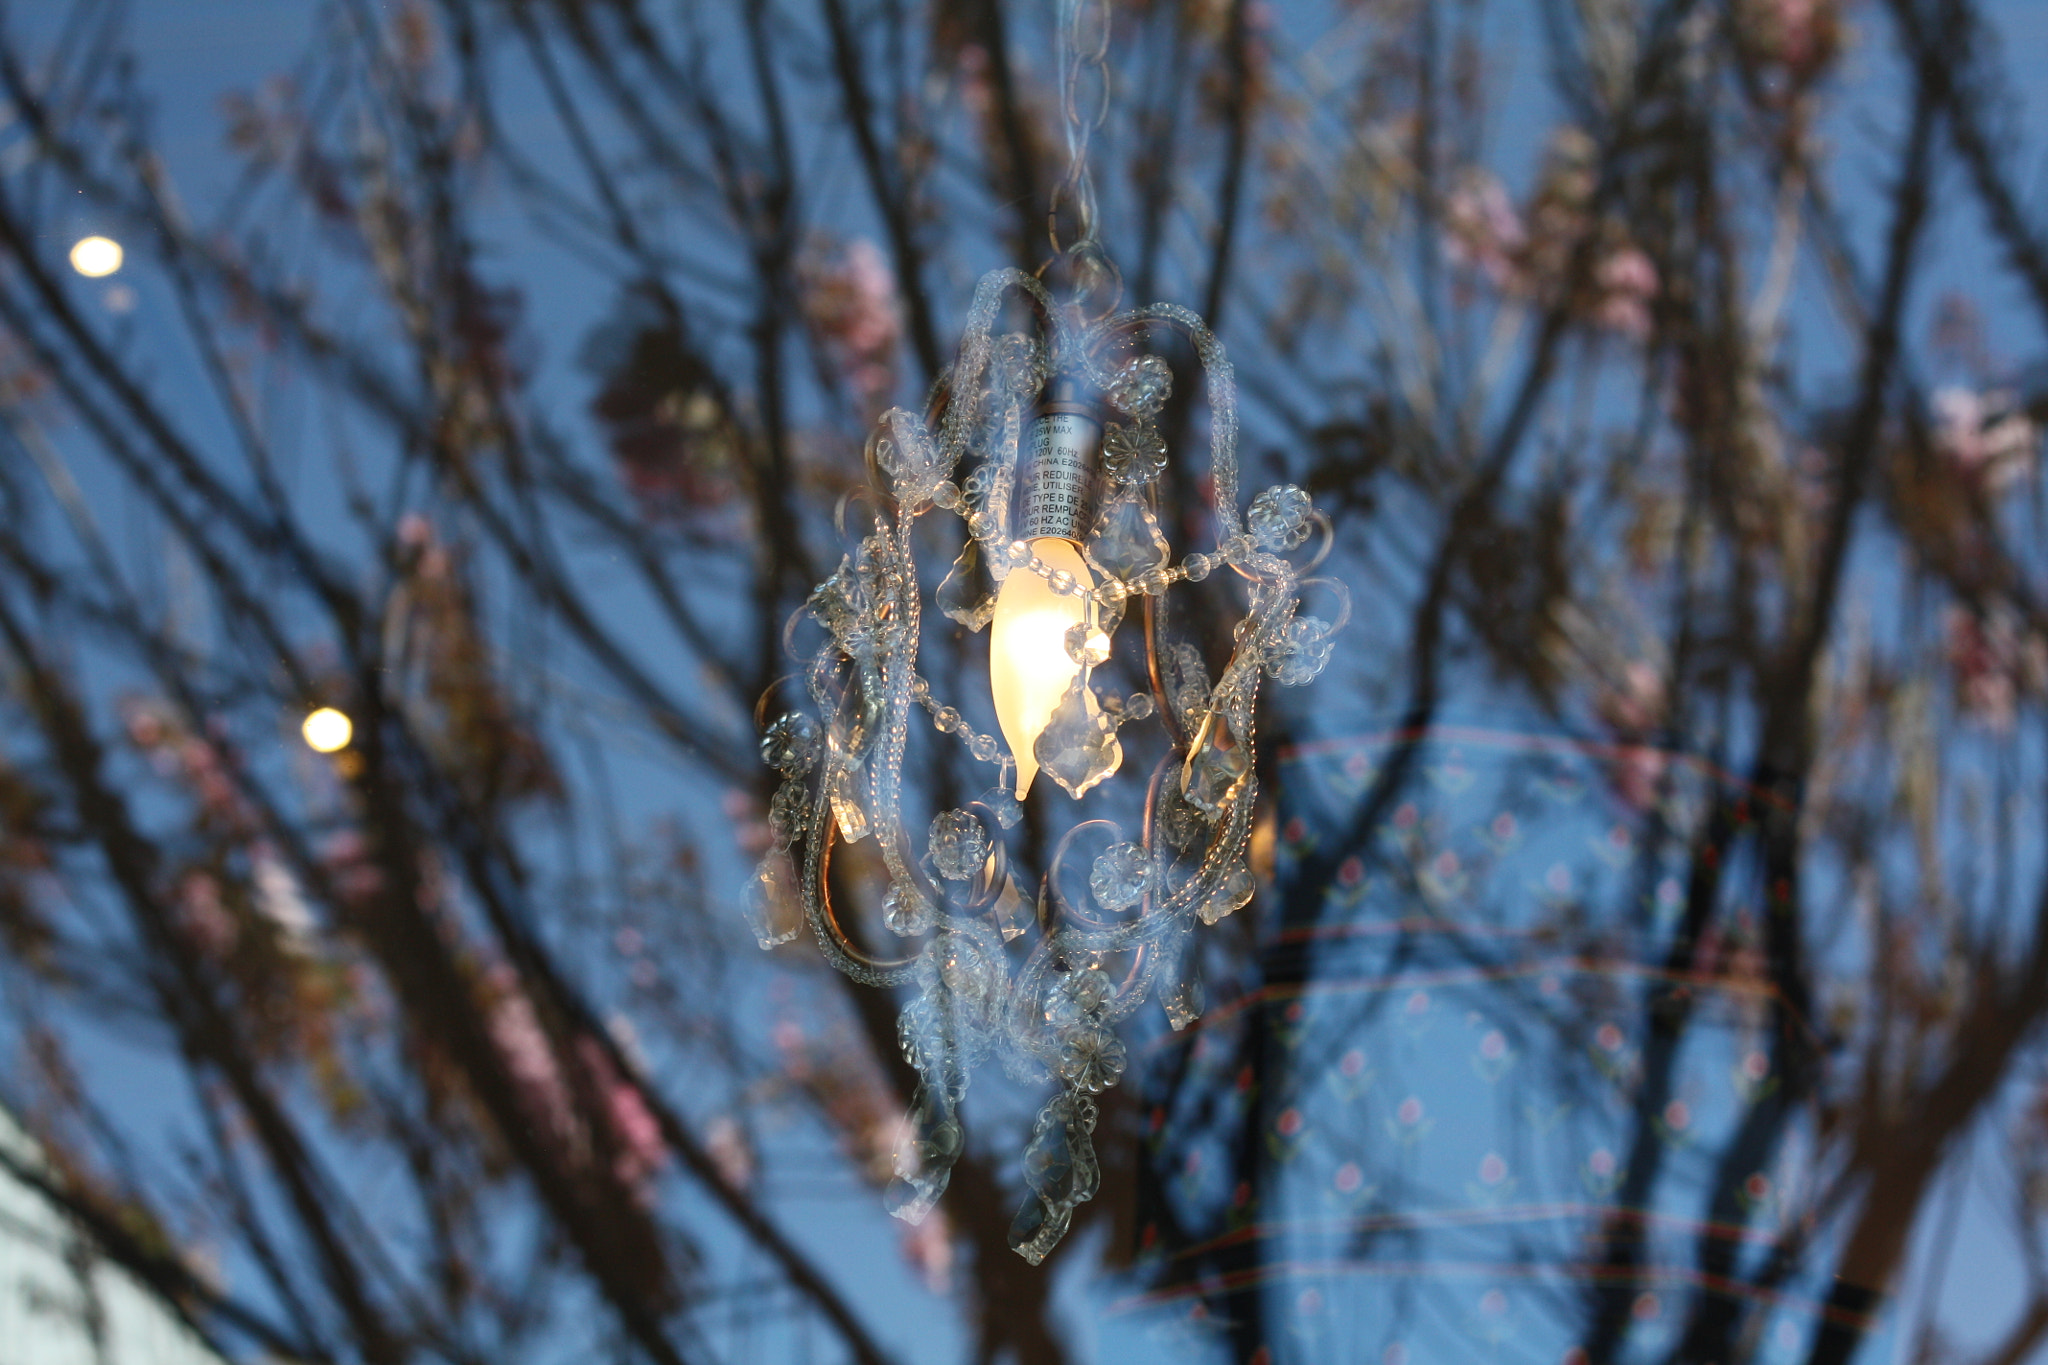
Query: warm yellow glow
[(327, 730), (96, 256), (1028, 665)]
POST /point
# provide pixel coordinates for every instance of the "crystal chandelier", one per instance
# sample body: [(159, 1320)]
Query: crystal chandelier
[(1041, 456)]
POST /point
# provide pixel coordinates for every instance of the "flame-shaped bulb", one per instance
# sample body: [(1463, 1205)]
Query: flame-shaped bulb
[(1028, 663)]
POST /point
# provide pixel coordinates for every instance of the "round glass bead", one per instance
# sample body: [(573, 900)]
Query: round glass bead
[(947, 495), (1138, 705), (1087, 644), (983, 747), (946, 719), (1062, 582), (1197, 567)]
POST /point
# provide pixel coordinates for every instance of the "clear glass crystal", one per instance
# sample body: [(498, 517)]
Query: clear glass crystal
[(1142, 385), (1301, 652), (1008, 810), (1038, 1227), (1197, 567), (791, 743), (1182, 1003), (774, 907), (843, 789), (1232, 894), (1087, 644), (1133, 454), (1078, 997), (788, 812), (1011, 912), (1018, 362), (1091, 1058), (1215, 768), (1280, 517), (907, 910), (1078, 746), (1126, 541), (1121, 877), (959, 845), (965, 594)]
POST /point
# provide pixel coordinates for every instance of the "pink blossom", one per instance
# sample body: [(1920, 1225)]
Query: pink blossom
[(1483, 230), (928, 1247), (1992, 662), (730, 1151), (1987, 437), (640, 1150), (205, 916), (852, 304), (529, 1058), (1628, 284)]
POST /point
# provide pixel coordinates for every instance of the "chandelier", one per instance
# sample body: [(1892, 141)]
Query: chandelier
[(1040, 457)]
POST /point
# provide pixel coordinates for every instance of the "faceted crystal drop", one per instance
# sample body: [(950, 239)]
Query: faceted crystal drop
[(1126, 542), (959, 845), (965, 594), (1078, 747), (1183, 1003), (1232, 894), (844, 789), (1011, 911), (1008, 811), (1215, 768), (1060, 1164), (774, 909), (1037, 1230)]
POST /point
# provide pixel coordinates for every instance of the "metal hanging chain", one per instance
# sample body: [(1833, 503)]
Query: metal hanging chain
[(1084, 105)]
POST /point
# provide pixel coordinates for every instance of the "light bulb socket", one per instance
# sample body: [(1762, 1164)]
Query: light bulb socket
[(1059, 481)]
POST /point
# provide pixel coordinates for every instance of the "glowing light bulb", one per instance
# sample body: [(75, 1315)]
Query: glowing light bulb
[(327, 730), (1028, 664), (94, 257)]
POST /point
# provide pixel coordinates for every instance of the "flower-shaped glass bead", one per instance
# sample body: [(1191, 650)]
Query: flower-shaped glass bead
[(1142, 385), (1091, 1058), (1018, 364), (959, 845), (791, 744), (1134, 453), (1280, 517), (1301, 652), (1120, 877)]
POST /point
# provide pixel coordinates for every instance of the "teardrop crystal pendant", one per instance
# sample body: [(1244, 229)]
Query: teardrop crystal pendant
[(1078, 747), (1126, 541), (774, 908), (965, 594), (1216, 767)]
